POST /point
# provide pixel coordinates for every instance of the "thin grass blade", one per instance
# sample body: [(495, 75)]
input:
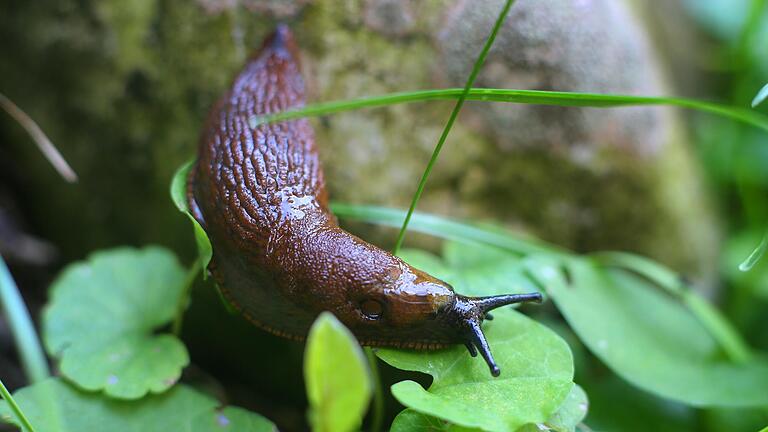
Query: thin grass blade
[(27, 341), (38, 136)]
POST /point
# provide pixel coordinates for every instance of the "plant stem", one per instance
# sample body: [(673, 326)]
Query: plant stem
[(27, 341), (183, 301), (38, 136), (377, 417), (22, 419), (459, 103)]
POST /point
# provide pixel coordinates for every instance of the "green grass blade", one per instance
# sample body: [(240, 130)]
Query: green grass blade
[(443, 228), (755, 256), (760, 97), (30, 350), (532, 97), (22, 419), (451, 120)]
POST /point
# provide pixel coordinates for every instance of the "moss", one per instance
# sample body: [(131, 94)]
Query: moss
[(122, 88)]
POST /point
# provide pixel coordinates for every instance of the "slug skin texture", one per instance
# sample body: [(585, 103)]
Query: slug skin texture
[(279, 256)]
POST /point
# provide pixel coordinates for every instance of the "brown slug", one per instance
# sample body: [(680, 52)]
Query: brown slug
[(279, 255)]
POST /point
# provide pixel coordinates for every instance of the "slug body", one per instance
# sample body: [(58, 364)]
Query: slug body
[(279, 254)]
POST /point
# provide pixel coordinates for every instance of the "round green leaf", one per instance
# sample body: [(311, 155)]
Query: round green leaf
[(102, 317), (647, 337), (565, 419), (338, 381), (231, 419), (536, 376), (55, 406)]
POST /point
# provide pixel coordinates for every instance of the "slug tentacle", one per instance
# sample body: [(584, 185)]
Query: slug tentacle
[(468, 314), (279, 255)]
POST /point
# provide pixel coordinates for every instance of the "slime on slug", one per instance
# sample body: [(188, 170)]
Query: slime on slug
[(279, 255)]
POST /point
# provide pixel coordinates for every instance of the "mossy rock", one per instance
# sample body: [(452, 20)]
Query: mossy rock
[(122, 88)]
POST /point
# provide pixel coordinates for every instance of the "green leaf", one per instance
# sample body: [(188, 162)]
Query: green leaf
[(231, 419), (647, 337), (55, 406), (536, 376), (614, 405), (755, 256), (679, 349), (102, 317), (715, 323), (336, 373), (760, 97), (567, 417), (12, 412), (463, 392), (179, 197), (410, 420)]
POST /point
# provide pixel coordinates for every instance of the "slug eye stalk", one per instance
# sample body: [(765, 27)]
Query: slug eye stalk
[(469, 313)]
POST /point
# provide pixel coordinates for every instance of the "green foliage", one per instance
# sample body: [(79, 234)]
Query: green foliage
[(55, 406), (231, 419), (463, 392), (647, 337), (760, 97), (756, 254), (473, 269), (102, 319), (11, 412), (536, 377), (338, 382), (410, 420), (465, 232), (614, 405), (565, 419), (24, 334), (179, 197), (536, 97), (570, 414), (449, 124), (724, 18), (718, 327)]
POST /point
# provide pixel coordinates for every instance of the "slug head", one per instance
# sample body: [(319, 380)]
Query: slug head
[(411, 309)]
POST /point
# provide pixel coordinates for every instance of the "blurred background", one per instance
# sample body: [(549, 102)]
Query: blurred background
[(122, 87)]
